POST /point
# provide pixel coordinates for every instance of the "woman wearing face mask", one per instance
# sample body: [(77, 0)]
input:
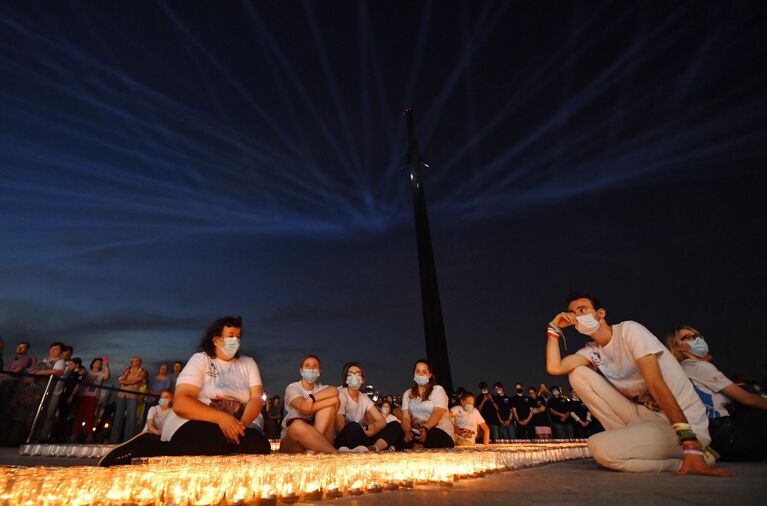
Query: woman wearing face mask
[(311, 409), (388, 414), (157, 415), (741, 436), (466, 420), (354, 408), (425, 421), (218, 395)]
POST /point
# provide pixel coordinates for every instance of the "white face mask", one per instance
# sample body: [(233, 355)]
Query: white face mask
[(587, 324), (163, 403), (354, 381), (421, 380), (385, 411), (230, 347), (468, 408)]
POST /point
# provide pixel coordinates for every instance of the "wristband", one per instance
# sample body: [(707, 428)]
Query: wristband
[(311, 396), (688, 440), (555, 332)]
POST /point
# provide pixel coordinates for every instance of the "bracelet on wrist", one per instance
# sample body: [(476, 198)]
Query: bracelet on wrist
[(311, 396)]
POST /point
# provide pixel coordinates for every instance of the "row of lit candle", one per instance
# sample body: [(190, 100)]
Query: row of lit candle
[(267, 479)]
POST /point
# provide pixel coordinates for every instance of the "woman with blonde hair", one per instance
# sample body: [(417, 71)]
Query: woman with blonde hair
[(737, 436)]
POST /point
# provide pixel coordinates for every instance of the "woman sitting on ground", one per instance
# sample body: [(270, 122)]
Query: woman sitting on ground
[(378, 435), (218, 395), (466, 419), (737, 437), (425, 421), (311, 409), (155, 419)]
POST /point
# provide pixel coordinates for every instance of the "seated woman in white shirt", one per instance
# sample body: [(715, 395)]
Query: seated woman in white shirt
[(155, 418), (378, 435), (218, 395), (311, 409), (741, 436), (425, 421), (389, 416), (466, 419)]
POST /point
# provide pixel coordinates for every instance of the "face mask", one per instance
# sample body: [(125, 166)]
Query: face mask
[(587, 324), (555, 393), (468, 408), (385, 411), (163, 403), (519, 391), (420, 380), (354, 381), (310, 375), (699, 347), (231, 346), (484, 392), (499, 392)]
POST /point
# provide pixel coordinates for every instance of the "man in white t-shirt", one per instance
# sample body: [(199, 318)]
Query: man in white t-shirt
[(53, 365), (652, 417)]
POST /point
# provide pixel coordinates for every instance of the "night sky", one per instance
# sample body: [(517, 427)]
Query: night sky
[(164, 164)]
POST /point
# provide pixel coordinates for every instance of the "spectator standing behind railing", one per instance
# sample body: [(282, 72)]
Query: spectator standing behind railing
[(52, 365), (177, 367), (124, 424), (73, 378), (89, 393)]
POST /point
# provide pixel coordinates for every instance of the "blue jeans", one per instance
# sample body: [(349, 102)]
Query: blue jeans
[(124, 423), (500, 432), (563, 430)]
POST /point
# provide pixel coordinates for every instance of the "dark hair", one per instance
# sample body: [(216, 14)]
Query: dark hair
[(583, 295), (78, 361), (482, 385), (498, 384), (520, 384), (466, 395), (56, 343), (429, 386), (315, 357), (169, 390), (214, 330), (178, 362), (552, 387), (67, 348), (532, 388), (24, 342), (94, 361), (347, 366)]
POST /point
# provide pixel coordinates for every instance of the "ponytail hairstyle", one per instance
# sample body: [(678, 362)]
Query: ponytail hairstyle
[(429, 386)]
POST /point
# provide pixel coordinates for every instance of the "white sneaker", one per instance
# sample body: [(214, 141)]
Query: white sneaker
[(344, 449), (360, 449)]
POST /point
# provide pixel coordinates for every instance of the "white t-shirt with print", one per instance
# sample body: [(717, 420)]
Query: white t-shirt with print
[(292, 392), (217, 379), (709, 383), (617, 361), (353, 411), (421, 409), (158, 416), (469, 421), (92, 390)]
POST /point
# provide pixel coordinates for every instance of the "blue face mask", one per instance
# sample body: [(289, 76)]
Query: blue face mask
[(354, 381), (699, 347), (421, 380), (231, 346), (310, 375)]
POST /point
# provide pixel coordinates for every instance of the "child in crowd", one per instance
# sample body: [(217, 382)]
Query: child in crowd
[(466, 420)]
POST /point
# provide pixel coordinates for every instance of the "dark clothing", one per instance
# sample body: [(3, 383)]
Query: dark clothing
[(741, 437), (504, 406), (204, 438), (540, 419), (438, 438), (558, 404), (488, 411), (580, 409), (273, 418), (522, 405), (353, 435)]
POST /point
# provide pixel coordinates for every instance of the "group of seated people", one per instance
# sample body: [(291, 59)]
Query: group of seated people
[(633, 385)]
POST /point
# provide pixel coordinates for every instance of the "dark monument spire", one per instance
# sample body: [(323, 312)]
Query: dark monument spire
[(434, 327)]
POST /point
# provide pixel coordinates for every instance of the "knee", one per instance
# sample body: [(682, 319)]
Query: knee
[(298, 428), (602, 451), (580, 376)]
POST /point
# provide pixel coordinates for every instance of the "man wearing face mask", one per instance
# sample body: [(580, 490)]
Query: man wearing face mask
[(652, 417), (559, 411), (354, 407), (488, 409), (505, 427), (522, 413)]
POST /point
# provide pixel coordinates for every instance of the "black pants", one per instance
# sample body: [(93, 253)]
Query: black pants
[(205, 438), (435, 438), (526, 431), (741, 437), (354, 435)]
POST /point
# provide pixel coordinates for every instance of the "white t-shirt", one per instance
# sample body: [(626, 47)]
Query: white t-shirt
[(469, 421), (92, 390), (159, 416), (292, 392), (420, 410), (353, 411), (391, 418), (217, 379), (618, 363), (709, 383)]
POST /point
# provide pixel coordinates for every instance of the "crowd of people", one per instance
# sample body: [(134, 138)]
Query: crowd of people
[(643, 406)]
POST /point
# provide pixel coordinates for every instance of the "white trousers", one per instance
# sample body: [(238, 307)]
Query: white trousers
[(635, 439)]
